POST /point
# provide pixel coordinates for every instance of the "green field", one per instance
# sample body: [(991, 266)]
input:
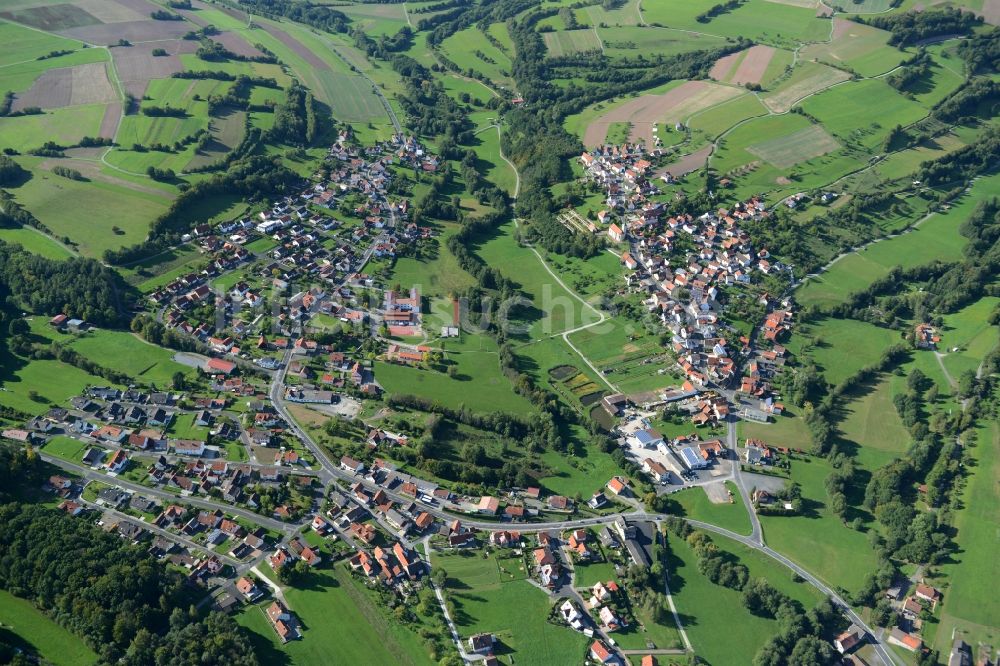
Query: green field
[(817, 539), (706, 608), (845, 345), (26, 627), (870, 422), (126, 353), (759, 20), (66, 448), (54, 382), (35, 241), (438, 275), (568, 42), (969, 331), (799, 146), (862, 48), (340, 621), (20, 77), (936, 238), (462, 47), (21, 43), (64, 126), (502, 602), (490, 164), (697, 506), (87, 212), (863, 111), (630, 42)]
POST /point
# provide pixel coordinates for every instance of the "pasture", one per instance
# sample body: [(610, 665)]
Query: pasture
[(360, 634), (53, 382), (65, 126), (969, 331), (35, 241), (376, 19), (806, 79), (762, 21), (716, 120), (708, 606), (817, 539), (492, 595), (869, 423), (471, 51), (937, 237), (27, 628), (568, 42), (633, 41), (862, 48), (23, 44), (841, 347), (126, 353), (862, 112), (22, 76)]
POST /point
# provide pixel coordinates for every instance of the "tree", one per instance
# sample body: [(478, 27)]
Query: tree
[(811, 651), (178, 381)]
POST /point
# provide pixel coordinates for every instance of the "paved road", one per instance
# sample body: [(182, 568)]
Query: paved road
[(756, 534)]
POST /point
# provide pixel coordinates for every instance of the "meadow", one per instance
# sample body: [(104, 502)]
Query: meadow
[(762, 21), (492, 595), (462, 48), (35, 241), (52, 381), (65, 126), (361, 634), (568, 42), (937, 237), (844, 345), (969, 331), (630, 42), (863, 111), (696, 505), (870, 428), (24, 44), (706, 608), (26, 627), (862, 48), (126, 353)]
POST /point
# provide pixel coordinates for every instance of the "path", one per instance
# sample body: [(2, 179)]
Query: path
[(455, 637)]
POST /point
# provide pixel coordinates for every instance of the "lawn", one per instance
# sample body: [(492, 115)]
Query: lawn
[(488, 599), (588, 575), (66, 448), (126, 353), (817, 539), (183, 427), (970, 602), (732, 516), (788, 430), (936, 238), (26, 627), (341, 624), (721, 629)]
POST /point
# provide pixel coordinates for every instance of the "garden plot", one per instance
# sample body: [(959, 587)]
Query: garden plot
[(68, 86)]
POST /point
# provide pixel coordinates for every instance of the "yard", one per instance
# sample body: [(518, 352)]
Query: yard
[(66, 448)]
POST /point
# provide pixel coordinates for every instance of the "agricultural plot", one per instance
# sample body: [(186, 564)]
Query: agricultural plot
[(568, 42), (630, 42), (227, 132), (22, 76), (137, 66), (743, 67), (870, 428), (68, 86), (65, 126), (647, 111), (376, 19), (807, 79), (116, 19), (35, 241), (126, 353), (799, 146), (862, 112), (714, 121), (762, 21), (862, 48), (844, 345), (22, 44), (626, 14), (968, 331)]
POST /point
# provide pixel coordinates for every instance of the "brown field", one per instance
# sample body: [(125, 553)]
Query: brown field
[(237, 44), (52, 17), (687, 164), (134, 31), (751, 66), (68, 86), (136, 65), (646, 111), (112, 118), (824, 10), (991, 11), (116, 11)]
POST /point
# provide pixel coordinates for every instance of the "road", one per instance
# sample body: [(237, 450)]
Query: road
[(756, 534)]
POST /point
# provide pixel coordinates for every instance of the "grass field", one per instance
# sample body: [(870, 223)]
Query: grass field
[(66, 448), (54, 382), (817, 539), (759, 20), (969, 331), (799, 146), (863, 111), (629, 42), (568, 42), (970, 606), (502, 602), (788, 430), (717, 119), (26, 627), (126, 353), (869, 422), (65, 126), (697, 506), (707, 609), (87, 212), (936, 238), (438, 275), (845, 345), (490, 164), (470, 50), (19, 77), (339, 618), (35, 241), (807, 78), (860, 47)]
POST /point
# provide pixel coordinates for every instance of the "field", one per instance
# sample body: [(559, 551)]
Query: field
[(126, 353), (697, 506), (712, 122), (705, 607), (22, 44), (35, 241), (66, 448), (65, 126), (788, 430), (470, 50), (969, 331), (647, 111), (360, 634), (568, 42), (871, 426), (749, 66), (817, 539), (935, 238), (760, 20), (26, 627), (863, 111), (488, 598), (629, 42), (54, 382), (376, 19), (88, 212), (860, 47), (844, 345), (800, 146), (970, 605), (806, 79)]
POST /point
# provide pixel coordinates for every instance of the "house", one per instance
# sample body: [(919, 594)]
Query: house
[(558, 503), (282, 620), (602, 654), (615, 233), (693, 458), (118, 462), (248, 588), (961, 654), (488, 505), (481, 643), (927, 593), (848, 640), (218, 366), (646, 438), (905, 640), (656, 470), (349, 464), (619, 486), (597, 501), (188, 447)]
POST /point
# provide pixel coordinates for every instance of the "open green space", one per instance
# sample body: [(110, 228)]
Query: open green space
[(22, 43), (66, 448), (969, 331), (491, 595), (126, 353), (766, 22), (338, 617), (869, 421), (65, 126), (841, 347), (470, 50), (706, 608), (731, 515), (53, 382), (35, 241), (26, 627)]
